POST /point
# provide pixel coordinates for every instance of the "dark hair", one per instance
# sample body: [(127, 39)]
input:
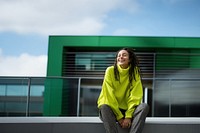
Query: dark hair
[(134, 62)]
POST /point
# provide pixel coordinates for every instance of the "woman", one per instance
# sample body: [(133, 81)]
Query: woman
[(121, 95)]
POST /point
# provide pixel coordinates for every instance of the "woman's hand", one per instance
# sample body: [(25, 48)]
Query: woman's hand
[(125, 123), (120, 122)]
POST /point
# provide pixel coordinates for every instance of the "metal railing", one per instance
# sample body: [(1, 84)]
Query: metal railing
[(24, 96)]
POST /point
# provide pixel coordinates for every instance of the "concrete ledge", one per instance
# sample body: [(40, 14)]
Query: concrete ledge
[(149, 120), (93, 125)]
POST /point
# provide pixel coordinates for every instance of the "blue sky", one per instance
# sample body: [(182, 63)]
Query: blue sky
[(26, 25)]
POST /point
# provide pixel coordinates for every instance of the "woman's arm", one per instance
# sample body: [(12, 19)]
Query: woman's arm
[(135, 96)]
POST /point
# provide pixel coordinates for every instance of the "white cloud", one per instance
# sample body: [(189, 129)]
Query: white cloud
[(51, 17), (59, 16), (23, 65)]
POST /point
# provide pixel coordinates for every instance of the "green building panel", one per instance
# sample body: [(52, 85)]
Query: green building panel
[(53, 97), (53, 103), (195, 59)]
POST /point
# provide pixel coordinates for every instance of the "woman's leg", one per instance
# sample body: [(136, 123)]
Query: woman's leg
[(108, 118), (139, 118)]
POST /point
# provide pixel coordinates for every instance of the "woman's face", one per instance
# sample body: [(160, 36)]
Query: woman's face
[(123, 59)]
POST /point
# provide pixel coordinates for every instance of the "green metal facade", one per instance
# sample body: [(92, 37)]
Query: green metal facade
[(53, 98), (57, 43)]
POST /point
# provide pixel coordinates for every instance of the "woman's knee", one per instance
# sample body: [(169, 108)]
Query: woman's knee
[(144, 107), (105, 112), (104, 107)]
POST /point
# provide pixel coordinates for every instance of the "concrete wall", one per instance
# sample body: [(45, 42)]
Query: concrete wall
[(92, 125)]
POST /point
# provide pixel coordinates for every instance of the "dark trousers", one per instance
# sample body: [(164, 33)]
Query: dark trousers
[(109, 120)]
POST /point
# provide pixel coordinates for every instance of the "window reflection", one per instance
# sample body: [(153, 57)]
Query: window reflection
[(14, 96)]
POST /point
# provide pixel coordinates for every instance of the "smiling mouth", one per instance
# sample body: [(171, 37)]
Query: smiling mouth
[(121, 60)]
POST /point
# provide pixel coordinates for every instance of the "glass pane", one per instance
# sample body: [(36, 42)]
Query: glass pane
[(17, 90), (185, 98), (61, 96), (2, 90), (161, 98), (37, 90), (70, 97), (36, 101), (90, 90)]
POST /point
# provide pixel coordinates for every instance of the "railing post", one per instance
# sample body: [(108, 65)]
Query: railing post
[(78, 97), (170, 97), (28, 97), (153, 84), (145, 95)]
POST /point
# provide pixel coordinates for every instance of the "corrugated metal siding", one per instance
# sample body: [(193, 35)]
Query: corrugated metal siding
[(179, 65), (94, 64)]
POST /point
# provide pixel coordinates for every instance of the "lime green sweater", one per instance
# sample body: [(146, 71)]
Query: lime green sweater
[(120, 95)]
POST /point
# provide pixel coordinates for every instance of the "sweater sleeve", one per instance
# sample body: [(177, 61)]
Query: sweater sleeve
[(108, 92), (135, 96)]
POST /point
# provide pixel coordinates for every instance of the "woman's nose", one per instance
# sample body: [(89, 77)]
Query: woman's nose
[(121, 57)]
